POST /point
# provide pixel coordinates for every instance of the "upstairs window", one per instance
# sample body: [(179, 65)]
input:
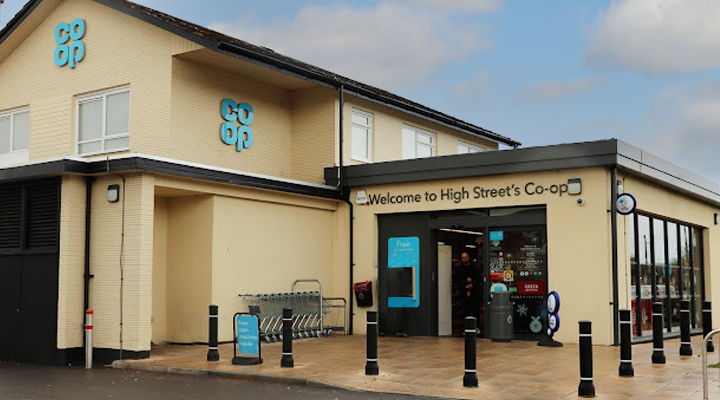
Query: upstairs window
[(14, 135), (361, 135), (417, 143), (466, 148), (103, 122)]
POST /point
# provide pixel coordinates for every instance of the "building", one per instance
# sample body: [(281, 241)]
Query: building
[(150, 167)]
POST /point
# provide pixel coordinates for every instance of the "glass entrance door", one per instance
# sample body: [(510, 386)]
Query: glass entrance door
[(517, 262)]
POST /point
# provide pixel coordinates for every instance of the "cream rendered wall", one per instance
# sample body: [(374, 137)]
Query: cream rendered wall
[(136, 257), (261, 247), (387, 132), (579, 267), (189, 267), (314, 121), (198, 91), (159, 279), (659, 201), (71, 282), (120, 50)]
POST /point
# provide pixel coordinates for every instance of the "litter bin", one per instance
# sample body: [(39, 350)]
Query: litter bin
[(363, 293), (501, 317)]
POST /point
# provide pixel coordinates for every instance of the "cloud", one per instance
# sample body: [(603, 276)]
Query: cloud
[(477, 6), (473, 90), (554, 90), (389, 45), (683, 126), (657, 37)]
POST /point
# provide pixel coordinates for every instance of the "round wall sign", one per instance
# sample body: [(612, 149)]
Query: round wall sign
[(553, 302), (625, 204), (498, 287)]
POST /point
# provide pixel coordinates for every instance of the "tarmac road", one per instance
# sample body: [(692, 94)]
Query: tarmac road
[(49, 383)]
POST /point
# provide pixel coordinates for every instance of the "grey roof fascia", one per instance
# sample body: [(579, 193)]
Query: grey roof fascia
[(646, 165), (533, 159)]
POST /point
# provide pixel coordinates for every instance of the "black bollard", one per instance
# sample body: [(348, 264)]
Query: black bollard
[(470, 379), (586, 387), (626, 367), (287, 357), (212, 354), (707, 323), (658, 355), (685, 344), (372, 367)]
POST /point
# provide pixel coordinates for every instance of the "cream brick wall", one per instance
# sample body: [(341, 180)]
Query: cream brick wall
[(189, 267), (120, 50), (159, 298), (387, 132), (71, 282), (314, 122), (198, 91), (137, 262), (280, 244)]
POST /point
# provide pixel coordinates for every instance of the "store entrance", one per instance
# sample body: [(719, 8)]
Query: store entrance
[(436, 268)]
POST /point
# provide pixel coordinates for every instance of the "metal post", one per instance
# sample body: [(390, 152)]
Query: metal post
[(703, 350), (470, 379), (287, 360), (88, 337), (212, 354), (372, 368), (658, 355), (707, 323), (586, 387), (626, 367), (685, 344)]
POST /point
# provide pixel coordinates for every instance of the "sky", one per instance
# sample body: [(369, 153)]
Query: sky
[(646, 72)]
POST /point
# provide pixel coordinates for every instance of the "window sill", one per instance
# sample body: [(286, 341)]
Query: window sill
[(97, 153)]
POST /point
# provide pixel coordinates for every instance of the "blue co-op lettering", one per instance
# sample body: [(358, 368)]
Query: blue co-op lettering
[(70, 49), (232, 134)]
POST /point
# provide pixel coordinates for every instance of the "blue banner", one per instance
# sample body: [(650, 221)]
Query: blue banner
[(404, 252), (248, 337)]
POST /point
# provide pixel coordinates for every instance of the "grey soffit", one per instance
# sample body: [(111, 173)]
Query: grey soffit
[(605, 153), (60, 167)]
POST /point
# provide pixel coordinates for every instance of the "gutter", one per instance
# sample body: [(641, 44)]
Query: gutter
[(340, 185)]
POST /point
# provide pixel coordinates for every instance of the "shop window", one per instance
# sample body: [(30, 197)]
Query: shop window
[(417, 143), (103, 121), (667, 267), (14, 136), (361, 135), (466, 148)]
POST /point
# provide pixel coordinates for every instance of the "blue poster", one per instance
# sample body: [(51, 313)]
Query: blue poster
[(497, 235), (404, 252), (248, 337)]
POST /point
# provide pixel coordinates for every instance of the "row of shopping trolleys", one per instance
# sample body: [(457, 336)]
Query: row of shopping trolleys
[(308, 313)]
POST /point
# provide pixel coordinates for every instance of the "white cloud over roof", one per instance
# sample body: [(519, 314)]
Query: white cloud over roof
[(657, 37), (387, 45)]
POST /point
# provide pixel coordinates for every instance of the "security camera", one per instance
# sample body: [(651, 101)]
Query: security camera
[(580, 201)]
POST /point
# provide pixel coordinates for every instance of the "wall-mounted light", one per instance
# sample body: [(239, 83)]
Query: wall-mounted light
[(574, 186), (620, 187), (113, 194), (716, 218)]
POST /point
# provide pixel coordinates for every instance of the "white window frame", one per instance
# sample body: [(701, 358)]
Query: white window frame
[(472, 148), (95, 96), (420, 132), (15, 156), (368, 128)]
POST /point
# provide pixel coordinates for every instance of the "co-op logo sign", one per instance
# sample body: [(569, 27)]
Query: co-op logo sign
[(70, 49), (236, 128)]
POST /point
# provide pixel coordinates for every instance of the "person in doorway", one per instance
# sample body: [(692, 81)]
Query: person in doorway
[(468, 283)]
